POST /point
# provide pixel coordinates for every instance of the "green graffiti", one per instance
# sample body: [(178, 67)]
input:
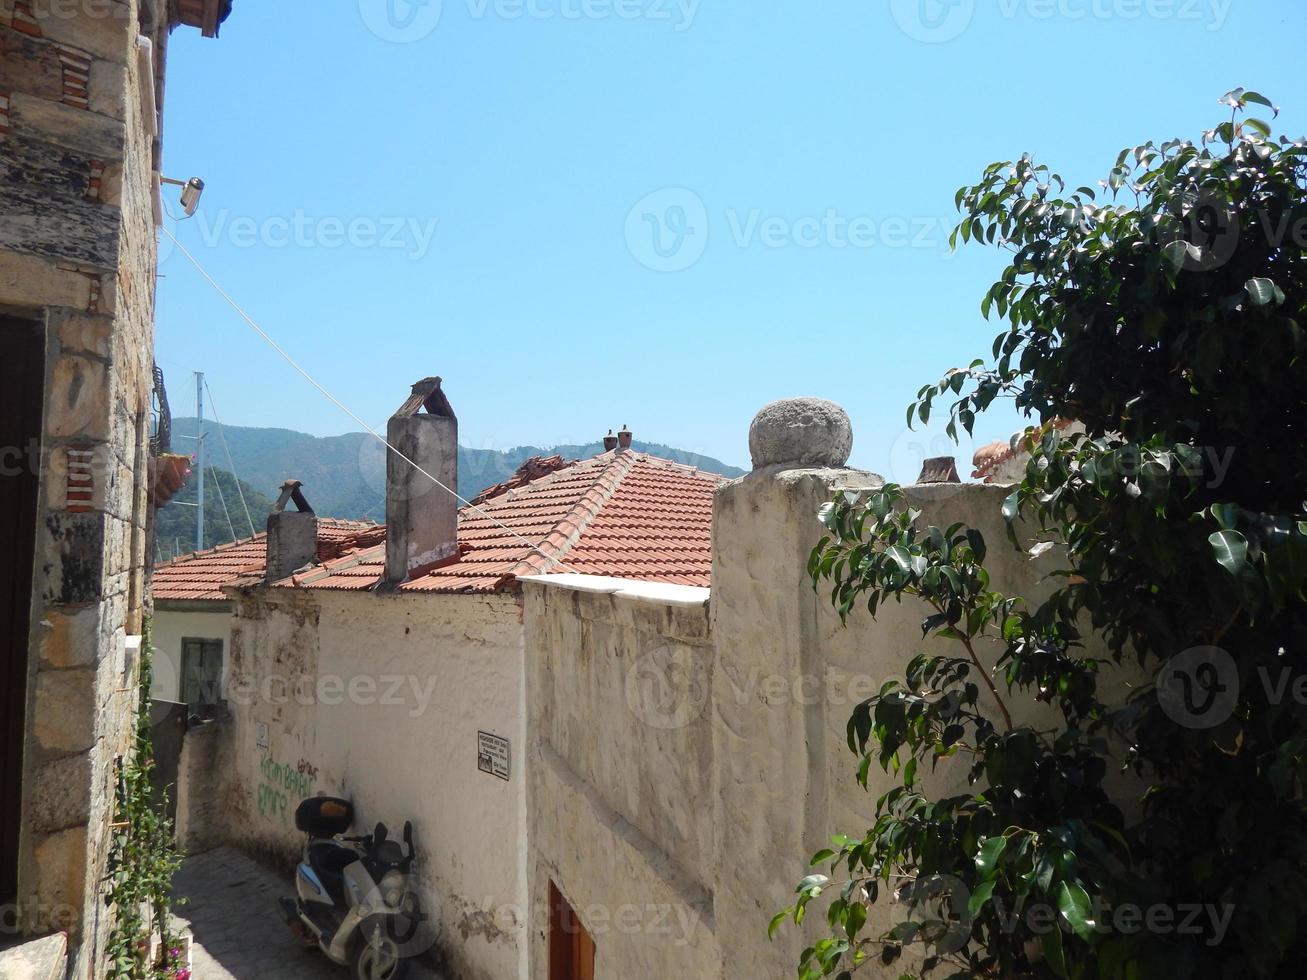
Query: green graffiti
[(280, 784)]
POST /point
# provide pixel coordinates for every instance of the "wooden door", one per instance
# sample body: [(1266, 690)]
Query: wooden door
[(22, 382), (571, 950)]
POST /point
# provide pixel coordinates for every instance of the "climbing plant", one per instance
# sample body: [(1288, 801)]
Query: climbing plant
[(1164, 312), (142, 860)]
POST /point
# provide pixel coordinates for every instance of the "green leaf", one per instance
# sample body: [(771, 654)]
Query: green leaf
[(775, 923), (979, 897), (1012, 506), (1073, 903), (1231, 549), (990, 853), (1263, 291), (1051, 943)]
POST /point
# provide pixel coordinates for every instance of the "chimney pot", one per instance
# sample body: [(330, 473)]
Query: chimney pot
[(421, 518), (610, 442), (624, 438), (292, 534), (939, 469)]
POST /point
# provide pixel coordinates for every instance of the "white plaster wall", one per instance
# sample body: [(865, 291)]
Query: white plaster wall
[(168, 627), (621, 775), (750, 744), (382, 701)]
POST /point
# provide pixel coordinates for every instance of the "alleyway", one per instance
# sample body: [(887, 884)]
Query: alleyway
[(232, 912)]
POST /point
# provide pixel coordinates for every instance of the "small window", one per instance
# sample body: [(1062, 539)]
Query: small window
[(201, 672)]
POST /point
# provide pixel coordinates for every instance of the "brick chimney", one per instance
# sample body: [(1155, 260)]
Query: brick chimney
[(610, 442), (292, 534), (624, 439), (421, 518)]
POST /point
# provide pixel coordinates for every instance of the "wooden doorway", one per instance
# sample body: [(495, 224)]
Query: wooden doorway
[(571, 950), (22, 385)]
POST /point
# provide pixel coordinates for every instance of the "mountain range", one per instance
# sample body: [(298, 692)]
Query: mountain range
[(345, 476)]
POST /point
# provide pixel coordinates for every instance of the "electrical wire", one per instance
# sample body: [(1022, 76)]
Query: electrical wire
[(222, 434), (344, 408), (223, 500)]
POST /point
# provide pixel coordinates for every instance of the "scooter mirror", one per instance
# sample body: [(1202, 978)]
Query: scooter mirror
[(380, 834)]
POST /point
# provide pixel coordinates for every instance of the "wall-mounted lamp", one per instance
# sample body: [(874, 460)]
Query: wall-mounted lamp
[(191, 191)]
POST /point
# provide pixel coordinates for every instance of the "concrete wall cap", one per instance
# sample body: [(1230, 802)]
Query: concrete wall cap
[(663, 593), (801, 432)]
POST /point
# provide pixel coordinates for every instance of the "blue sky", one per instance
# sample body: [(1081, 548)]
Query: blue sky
[(660, 213)]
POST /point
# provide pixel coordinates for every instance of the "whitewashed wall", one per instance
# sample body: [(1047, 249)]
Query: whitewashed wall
[(380, 699), (651, 722)]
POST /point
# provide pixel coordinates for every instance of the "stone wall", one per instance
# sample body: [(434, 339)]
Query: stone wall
[(77, 257)]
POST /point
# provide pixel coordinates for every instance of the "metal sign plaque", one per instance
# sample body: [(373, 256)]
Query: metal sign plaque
[(493, 754)]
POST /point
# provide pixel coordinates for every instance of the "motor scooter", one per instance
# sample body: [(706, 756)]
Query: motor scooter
[(356, 898)]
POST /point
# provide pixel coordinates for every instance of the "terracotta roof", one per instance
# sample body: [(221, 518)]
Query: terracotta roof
[(989, 457), (534, 468), (624, 514), (201, 575)]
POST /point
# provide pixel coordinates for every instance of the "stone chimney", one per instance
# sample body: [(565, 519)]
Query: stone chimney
[(624, 439), (292, 534), (610, 442), (421, 518)]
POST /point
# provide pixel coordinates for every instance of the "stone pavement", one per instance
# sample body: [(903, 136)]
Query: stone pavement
[(238, 931)]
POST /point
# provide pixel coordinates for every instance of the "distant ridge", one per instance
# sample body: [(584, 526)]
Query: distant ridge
[(344, 476)]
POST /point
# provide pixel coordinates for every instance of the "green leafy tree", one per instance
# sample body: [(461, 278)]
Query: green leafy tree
[(1163, 312)]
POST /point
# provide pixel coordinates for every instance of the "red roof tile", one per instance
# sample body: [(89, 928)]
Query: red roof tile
[(624, 514), (202, 574)]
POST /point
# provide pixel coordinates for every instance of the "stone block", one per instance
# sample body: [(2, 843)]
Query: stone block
[(36, 959), (85, 334), (78, 401), (72, 557), (70, 639), (26, 280), (108, 89), (99, 27), (61, 861), (30, 65), (60, 794), (65, 710), (99, 136)]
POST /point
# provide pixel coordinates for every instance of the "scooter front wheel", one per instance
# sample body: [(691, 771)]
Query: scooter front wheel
[(379, 959)]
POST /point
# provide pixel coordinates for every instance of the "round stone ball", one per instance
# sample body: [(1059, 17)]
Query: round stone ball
[(801, 432)]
